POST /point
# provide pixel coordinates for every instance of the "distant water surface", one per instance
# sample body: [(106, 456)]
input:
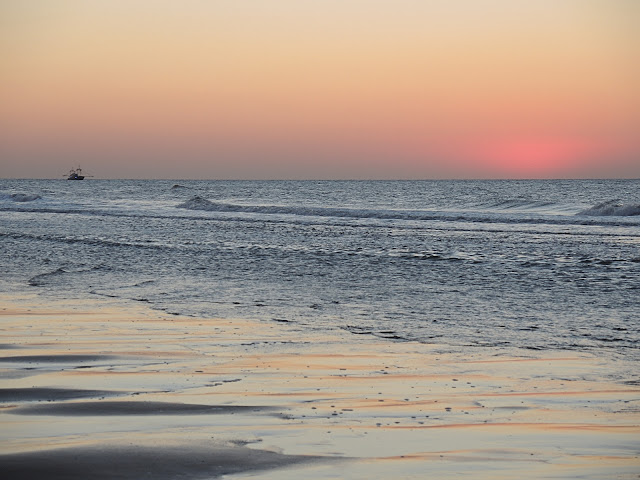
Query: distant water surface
[(531, 264)]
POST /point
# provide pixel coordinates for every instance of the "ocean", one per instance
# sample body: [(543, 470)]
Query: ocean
[(541, 265)]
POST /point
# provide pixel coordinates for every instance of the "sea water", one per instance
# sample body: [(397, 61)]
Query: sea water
[(528, 264)]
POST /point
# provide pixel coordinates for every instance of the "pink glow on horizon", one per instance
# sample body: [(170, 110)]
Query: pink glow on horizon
[(532, 157)]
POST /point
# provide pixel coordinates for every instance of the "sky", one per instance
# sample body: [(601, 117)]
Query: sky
[(320, 89)]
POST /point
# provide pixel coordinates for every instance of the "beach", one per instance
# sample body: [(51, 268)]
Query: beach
[(320, 240), (113, 390)]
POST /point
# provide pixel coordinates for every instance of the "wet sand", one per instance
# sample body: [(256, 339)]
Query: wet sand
[(112, 392)]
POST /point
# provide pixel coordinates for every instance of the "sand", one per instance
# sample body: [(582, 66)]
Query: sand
[(105, 390)]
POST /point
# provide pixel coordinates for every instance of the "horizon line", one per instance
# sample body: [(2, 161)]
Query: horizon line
[(488, 179)]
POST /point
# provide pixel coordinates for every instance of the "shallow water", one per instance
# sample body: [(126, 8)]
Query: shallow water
[(531, 264)]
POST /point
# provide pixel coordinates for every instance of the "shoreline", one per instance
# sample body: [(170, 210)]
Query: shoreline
[(118, 386)]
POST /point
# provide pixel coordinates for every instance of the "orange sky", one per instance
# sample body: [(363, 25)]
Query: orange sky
[(320, 89)]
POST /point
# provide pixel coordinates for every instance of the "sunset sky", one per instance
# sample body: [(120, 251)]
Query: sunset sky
[(320, 88)]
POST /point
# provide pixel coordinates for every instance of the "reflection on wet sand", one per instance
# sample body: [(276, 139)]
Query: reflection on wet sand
[(108, 462), (232, 396), (133, 408)]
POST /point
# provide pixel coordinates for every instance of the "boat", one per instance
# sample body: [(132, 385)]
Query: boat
[(75, 174)]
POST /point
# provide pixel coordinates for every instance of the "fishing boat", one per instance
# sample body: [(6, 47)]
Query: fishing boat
[(75, 174)]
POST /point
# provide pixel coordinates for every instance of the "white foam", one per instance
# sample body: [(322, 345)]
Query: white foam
[(612, 208), (20, 197)]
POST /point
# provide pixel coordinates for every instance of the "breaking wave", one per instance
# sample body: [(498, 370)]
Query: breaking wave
[(46, 278), (20, 197), (198, 203), (39, 280), (612, 208)]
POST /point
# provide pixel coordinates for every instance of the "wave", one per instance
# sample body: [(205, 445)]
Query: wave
[(40, 279), (103, 242), (519, 204), (44, 279), (613, 208), (20, 197), (198, 203), (528, 206), (313, 214)]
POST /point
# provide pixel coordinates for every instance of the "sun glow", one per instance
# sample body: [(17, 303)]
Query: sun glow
[(534, 157)]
